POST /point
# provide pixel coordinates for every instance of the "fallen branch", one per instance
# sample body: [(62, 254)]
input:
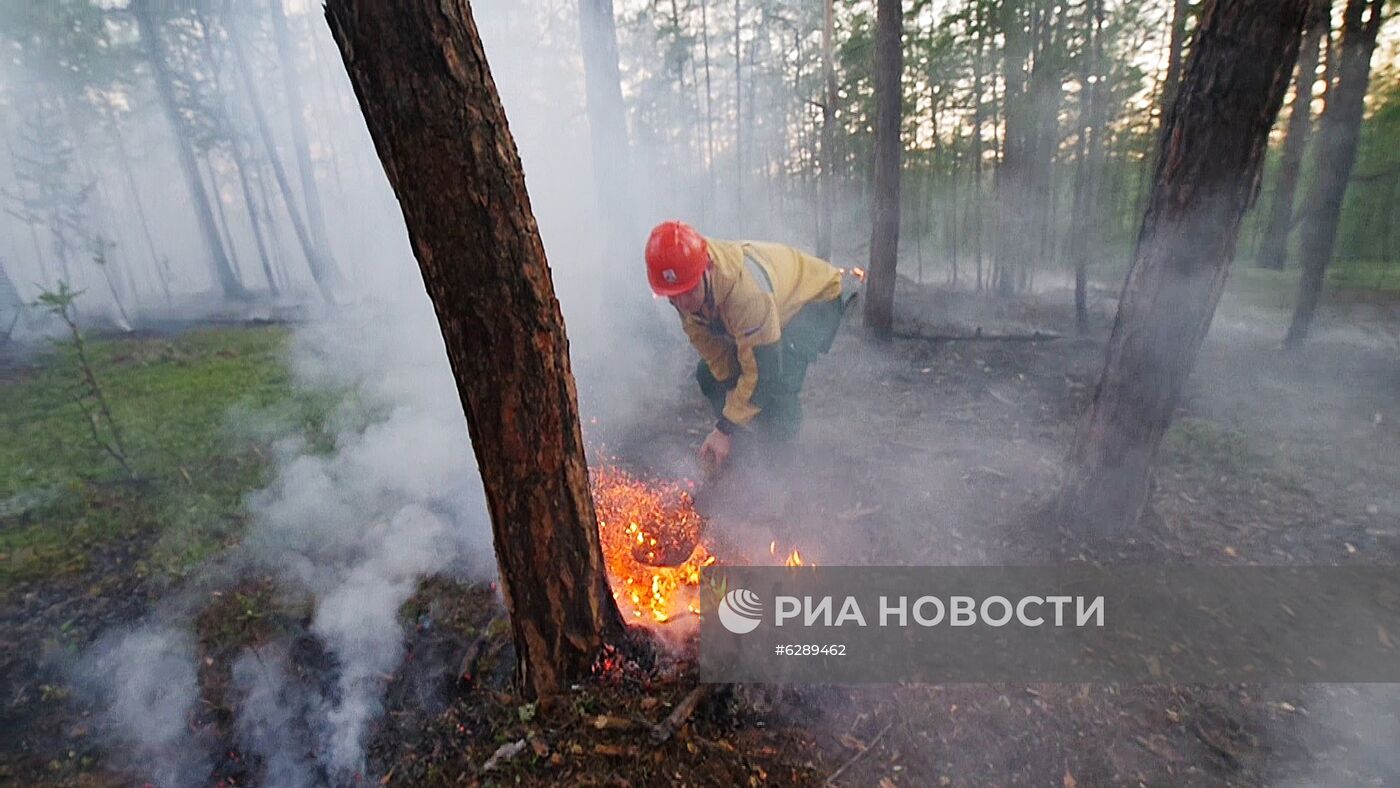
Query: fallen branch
[(978, 336), (832, 779), (678, 716), (467, 667)]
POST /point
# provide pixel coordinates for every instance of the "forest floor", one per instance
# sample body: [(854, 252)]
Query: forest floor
[(930, 452)]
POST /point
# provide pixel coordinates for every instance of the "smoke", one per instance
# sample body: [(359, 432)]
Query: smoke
[(386, 492), (146, 681)]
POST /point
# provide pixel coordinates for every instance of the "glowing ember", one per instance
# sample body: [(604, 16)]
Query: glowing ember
[(642, 523)]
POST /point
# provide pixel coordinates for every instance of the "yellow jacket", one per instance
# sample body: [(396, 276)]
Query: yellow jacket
[(753, 290)]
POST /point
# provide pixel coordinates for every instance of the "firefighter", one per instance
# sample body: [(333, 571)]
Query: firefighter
[(758, 313)]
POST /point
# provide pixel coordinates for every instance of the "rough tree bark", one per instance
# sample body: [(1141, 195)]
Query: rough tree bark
[(1207, 174), (607, 124), (1273, 247), (426, 90), (310, 192), (148, 27), (884, 230), (1336, 155), (828, 164)]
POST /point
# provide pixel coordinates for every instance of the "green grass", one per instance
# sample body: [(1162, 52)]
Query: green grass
[(1370, 275), (1212, 449), (195, 410)]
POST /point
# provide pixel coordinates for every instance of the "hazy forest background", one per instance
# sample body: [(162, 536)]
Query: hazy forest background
[(151, 155)]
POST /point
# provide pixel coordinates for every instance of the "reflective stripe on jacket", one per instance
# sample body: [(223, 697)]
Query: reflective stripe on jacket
[(753, 290)]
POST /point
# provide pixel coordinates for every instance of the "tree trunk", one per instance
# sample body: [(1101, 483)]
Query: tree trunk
[(977, 122), (427, 94), (607, 124), (315, 218), (1175, 47), (1207, 174), (709, 102), (220, 215), (1012, 180), (154, 47), (322, 269), (738, 125), (884, 231), (240, 165), (828, 186), (130, 178), (1336, 155), (1273, 248), (1085, 210)]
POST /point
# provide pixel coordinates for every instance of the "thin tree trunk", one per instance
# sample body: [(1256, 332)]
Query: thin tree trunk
[(1336, 155), (828, 186), (315, 217), (709, 101), (1085, 209), (162, 275), (220, 215), (322, 271), (977, 154), (224, 272), (1175, 48), (1013, 177), (738, 125), (280, 266), (426, 91), (1273, 248), (884, 231), (1207, 175), (607, 123), (240, 165)]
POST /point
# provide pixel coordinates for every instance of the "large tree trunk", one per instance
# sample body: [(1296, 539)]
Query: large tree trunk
[(1336, 155), (154, 46), (884, 230), (1273, 248), (607, 123), (322, 268), (315, 218), (1207, 174), (427, 94), (828, 163)]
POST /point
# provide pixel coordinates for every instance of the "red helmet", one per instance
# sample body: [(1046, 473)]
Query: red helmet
[(677, 257)]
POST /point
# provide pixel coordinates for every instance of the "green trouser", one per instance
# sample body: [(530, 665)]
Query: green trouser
[(782, 366)]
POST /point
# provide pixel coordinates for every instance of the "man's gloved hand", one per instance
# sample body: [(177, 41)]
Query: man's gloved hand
[(714, 452)]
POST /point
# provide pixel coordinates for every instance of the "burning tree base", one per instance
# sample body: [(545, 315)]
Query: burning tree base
[(650, 533), (654, 546)]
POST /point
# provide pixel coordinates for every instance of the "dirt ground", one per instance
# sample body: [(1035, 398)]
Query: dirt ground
[(930, 452)]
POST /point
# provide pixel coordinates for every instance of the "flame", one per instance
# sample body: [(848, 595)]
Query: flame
[(641, 522), (795, 559)]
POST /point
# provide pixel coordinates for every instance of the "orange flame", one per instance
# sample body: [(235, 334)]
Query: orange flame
[(645, 522)]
